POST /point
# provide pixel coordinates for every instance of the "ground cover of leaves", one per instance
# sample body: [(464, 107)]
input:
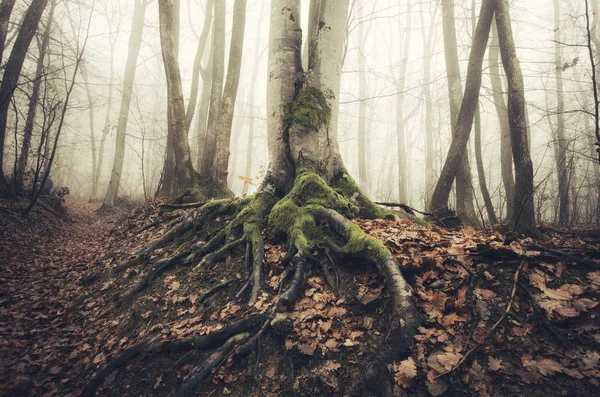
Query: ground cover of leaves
[(55, 332)]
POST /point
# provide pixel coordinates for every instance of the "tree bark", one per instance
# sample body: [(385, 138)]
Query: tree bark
[(524, 218), (400, 121), (464, 187), (362, 105), (12, 72), (221, 159), (178, 171), (429, 152), (189, 115), (216, 93), (506, 159), (560, 141), (33, 102), (135, 42), (464, 123), (6, 8)]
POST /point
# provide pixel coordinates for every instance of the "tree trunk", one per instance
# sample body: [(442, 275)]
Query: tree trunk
[(506, 159), (464, 123), (464, 187), (429, 153), (221, 159), (189, 115), (12, 72), (6, 8), (33, 102), (362, 105), (400, 121), (135, 42), (560, 141), (203, 110), (178, 171), (216, 93), (524, 218)]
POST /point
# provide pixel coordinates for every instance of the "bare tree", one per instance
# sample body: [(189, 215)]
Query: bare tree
[(33, 102), (506, 159), (6, 8), (464, 187), (524, 218), (135, 43), (221, 160), (464, 122), (12, 72)]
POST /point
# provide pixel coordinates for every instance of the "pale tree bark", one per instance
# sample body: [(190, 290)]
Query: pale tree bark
[(6, 8), (196, 73), (181, 174), (203, 110), (506, 159), (225, 120), (250, 103), (524, 218), (135, 42), (487, 200), (400, 121), (33, 102), (560, 142), (112, 39), (216, 93), (464, 123), (12, 72), (362, 105), (427, 39), (464, 187)]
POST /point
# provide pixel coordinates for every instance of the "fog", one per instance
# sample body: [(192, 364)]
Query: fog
[(384, 25)]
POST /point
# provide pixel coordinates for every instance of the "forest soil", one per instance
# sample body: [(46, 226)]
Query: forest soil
[(56, 331)]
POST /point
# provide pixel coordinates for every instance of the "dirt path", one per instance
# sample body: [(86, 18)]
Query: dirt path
[(42, 260)]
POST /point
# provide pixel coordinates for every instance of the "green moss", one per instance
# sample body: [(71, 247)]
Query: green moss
[(360, 242), (421, 222), (309, 109), (345, 185), (204, 190)]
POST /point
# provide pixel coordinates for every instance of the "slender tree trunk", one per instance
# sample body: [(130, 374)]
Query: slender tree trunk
[(135, 42), (178, 173), (6, 8), (560, 142), (400, 121), (221, 160), (458, 147), (506, 159), (203, 110), (487, 200), (216, 93), (464, 187), (12, 72), (524, 219), (33, 102), (189, 115), (362, 105), (427, 39)]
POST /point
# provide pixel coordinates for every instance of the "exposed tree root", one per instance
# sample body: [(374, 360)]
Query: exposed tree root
[(313, 220)]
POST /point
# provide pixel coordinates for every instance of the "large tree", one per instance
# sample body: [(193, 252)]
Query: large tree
[(305, 199), (12, 71)]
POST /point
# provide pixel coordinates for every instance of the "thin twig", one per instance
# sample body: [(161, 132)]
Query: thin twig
[(496, 325)]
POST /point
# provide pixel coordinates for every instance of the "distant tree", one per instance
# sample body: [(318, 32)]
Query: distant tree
[(135, 43), (6, 8)]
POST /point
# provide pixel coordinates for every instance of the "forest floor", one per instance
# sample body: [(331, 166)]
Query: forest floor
[(500, 317)]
